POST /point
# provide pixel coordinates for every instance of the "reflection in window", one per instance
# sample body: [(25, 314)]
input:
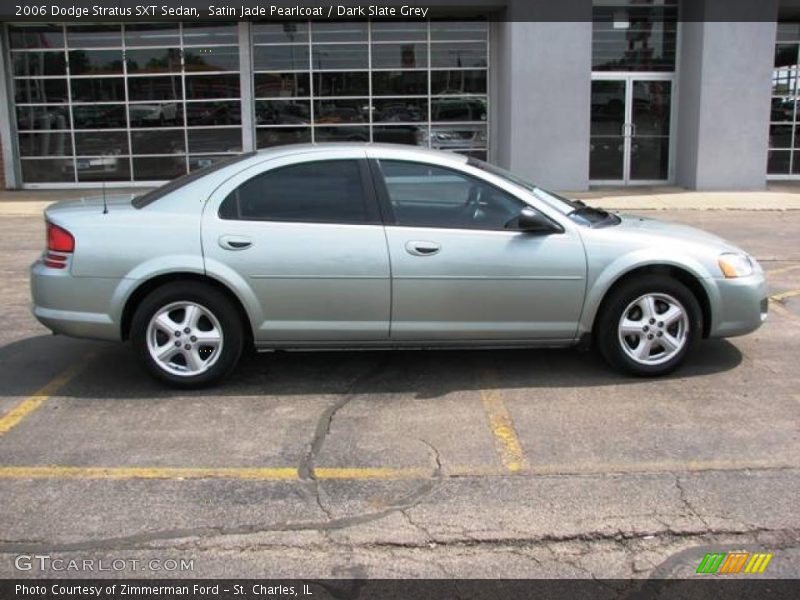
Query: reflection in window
[(35, 36), (95, 62), (161, 60), (634, 37), (32, 64), (212, 86), (40, 91)]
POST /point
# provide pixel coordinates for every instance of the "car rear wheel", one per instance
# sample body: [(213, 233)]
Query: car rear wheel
[(648, 326), (187, 334)]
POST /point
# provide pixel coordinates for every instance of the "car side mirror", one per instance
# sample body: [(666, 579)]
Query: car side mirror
[(532, 221)]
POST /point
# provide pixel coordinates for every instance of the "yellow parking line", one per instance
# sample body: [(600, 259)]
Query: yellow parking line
[(783, 270), (371, 473), (378, 473), (69, 472), (502, 426), (783, 295), (34, 401)]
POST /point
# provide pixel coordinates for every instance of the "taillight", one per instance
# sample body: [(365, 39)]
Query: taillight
[(58, 240)]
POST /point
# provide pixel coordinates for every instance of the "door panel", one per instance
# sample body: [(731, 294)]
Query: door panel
[(485, 285), (650, 116), (314, 281), (607, 156)]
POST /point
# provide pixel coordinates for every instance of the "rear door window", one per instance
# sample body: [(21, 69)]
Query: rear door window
[(328, 191)]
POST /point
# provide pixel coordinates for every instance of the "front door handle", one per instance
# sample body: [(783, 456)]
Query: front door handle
[(418, 248), (235, 242)]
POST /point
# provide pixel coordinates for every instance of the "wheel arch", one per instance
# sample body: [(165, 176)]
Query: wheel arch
[(684, 276), (145, 287)]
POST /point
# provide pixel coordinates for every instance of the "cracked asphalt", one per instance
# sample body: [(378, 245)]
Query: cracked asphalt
[(391, 464)]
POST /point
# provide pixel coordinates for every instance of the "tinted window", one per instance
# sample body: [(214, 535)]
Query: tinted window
[(427, 196), (321, 192)]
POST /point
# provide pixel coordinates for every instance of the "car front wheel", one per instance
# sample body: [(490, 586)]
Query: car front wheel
[(187, 334), (648, 326)]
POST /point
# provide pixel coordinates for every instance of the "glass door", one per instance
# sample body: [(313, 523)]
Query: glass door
[(631, 116)]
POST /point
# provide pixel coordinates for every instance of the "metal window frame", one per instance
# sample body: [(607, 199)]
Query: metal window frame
[(246, 71)]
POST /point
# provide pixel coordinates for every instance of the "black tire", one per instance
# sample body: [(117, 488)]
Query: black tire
[(210, 298), (607, 333)]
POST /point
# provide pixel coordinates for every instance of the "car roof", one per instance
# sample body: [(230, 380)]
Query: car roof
[(375, 151)]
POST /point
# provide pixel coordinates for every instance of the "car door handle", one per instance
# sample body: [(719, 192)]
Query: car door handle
[(235, 242), (422, 248)]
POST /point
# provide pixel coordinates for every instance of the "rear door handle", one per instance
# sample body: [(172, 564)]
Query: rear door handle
[(419, 248), (235, 242)]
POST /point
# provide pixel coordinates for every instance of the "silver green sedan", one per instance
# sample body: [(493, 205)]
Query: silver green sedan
[(369, 246)]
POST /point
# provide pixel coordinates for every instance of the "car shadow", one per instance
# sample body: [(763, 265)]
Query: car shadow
[(112, 371)]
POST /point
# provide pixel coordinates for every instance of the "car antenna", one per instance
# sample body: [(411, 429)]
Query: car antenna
[(105, 203)]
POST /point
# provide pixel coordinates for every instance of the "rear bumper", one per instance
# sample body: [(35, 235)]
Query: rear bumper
[(742, 305), (75, 306)]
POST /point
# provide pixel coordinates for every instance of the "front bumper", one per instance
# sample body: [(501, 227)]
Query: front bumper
[(75, 306), (742, 305)]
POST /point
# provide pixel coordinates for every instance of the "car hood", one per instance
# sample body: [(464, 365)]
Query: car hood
[(674, 231)]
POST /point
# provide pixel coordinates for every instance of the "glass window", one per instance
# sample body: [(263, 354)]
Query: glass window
[(35, 36), (413, 135), (399, 110), (48, 170), (341, 111), (339, 56), (339, 31), (93, 143), (202, 141), (156, 114), (400, 83), (152, 34), (280, 33), (458, 82), (42, 117), (156, 60), (199, 114), (457, 55), (161, 168), (341, 134), (51, 143), (458, 30), (399, 31), (158, 141), (283, 112), (275, 136), (280, 58), (278, 85), (155, 88), (94, 36), (341, 84), (40, 91), (399, 56), (32, 64), (98, 89), (103, 168), (458, 109), (212, 86), (318, 192), (424, 195), (209, 34), (95, 62), (99, 116), (634, 38), (222, 58)]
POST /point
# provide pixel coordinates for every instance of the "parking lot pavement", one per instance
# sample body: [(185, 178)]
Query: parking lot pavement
[(464, 464)]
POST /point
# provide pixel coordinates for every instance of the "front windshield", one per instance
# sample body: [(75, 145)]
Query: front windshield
[(576, 210)]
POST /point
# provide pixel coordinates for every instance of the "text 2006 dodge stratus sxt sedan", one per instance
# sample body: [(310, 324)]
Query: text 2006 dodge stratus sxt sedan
[(340, 246)]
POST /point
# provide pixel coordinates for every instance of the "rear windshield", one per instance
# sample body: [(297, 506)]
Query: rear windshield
[(160, 192)]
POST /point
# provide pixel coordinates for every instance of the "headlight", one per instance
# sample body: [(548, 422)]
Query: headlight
[(735, 265)]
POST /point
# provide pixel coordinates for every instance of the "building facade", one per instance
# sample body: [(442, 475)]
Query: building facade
[(630, 92)]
